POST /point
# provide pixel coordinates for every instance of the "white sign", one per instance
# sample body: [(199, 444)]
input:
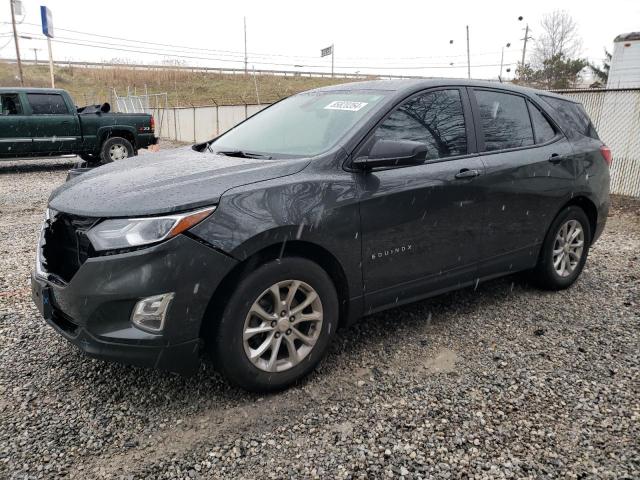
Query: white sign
[(345, 105)]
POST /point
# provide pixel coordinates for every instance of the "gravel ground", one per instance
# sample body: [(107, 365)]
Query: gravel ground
[(503, 381)]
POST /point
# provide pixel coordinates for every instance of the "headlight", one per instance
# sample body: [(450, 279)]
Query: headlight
[(117, 233)]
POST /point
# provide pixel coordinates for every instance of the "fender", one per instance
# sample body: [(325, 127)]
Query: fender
[(105, 131), (322, 210)]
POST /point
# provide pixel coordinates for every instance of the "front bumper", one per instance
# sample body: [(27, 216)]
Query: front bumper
[(93, 310)]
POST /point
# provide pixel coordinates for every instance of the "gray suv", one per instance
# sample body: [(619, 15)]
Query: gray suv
[(327, 206)]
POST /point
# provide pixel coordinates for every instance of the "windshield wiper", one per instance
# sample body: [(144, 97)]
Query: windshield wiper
[(243, 154)]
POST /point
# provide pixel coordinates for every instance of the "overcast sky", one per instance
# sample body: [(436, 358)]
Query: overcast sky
[(395, 37)]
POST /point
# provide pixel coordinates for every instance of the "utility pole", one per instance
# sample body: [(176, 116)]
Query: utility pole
[(245, 46), (35, 54), (15, 39), (524, 47), (468, 55)]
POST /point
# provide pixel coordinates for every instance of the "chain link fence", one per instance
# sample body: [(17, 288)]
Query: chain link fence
[(616, 116)]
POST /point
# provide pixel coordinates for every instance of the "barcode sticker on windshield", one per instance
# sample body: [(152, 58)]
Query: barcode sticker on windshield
[(345, 105)]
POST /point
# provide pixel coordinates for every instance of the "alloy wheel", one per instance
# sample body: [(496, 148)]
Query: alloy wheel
[(568, 248), (282, 326)]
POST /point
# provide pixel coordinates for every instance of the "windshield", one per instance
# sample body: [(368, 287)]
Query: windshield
[(303, 125)]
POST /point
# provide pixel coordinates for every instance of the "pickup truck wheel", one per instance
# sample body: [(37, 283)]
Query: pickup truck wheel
[(116, 148)]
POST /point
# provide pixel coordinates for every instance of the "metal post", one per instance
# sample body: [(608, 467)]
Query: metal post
[(524, 47), (53, 83), (333, 48), (245, 46), (501, 63), (194, 123), (15, 39), (468, 56), (255, 83)]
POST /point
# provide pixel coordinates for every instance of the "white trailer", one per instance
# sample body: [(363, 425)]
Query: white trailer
[(625, 62)]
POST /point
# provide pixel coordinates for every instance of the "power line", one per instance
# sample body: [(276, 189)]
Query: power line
[(233, 53), (239, 59)]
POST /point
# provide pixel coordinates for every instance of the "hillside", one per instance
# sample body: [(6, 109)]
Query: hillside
[(184, 87)]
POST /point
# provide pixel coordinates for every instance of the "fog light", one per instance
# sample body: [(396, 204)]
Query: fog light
[(149, 313)]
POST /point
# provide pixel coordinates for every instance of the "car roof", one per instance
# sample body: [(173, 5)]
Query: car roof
[(408, 86), (31, 90)]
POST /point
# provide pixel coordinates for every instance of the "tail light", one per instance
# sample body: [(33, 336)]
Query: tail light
[(152, 123), (606, 154)]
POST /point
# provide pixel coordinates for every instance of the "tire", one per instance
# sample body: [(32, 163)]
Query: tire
[(226, 343), (116, 148), (90, 158), (548, 276)]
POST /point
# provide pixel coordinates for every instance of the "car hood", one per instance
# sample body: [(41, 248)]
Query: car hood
[(164, 182)]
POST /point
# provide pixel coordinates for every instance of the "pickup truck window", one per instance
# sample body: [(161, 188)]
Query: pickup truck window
[(11, 104), (47, 104)]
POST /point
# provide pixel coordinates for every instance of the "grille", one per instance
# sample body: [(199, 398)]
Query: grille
[(66, 245)]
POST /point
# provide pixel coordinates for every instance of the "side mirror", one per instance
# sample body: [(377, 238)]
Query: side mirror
[(392, 153)]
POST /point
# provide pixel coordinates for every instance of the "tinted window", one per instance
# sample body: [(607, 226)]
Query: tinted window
[(541, 126), (11, 104), (504, 120), (47, 104), (434, 118), (571, 116)]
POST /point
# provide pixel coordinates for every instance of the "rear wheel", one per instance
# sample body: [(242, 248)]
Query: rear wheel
[(564, 251), (276, 326), (116, 148)]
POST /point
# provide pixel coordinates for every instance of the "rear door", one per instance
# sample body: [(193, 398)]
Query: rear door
[(53, 124), (530, 173), (421, 224), (15, 138)]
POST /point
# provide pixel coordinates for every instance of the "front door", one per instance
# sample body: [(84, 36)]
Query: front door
[(54, 127), (421, 225), (15, 138)]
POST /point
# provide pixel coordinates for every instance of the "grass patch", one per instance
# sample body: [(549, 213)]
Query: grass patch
[(89, 85)]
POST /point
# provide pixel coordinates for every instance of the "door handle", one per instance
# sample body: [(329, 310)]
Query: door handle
[(555, 158), (467, 173)]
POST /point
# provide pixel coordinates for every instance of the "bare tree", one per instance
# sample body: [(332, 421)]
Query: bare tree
[(559, 38)]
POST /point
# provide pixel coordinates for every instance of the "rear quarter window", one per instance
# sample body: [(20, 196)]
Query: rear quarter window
[(572, 116)]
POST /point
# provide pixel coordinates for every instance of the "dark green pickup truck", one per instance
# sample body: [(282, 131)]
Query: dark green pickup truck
[(38, 122)]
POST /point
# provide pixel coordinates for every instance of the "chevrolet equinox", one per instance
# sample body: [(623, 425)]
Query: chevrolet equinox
[(326, 206)]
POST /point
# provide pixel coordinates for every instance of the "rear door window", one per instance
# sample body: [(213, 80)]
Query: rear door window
[(572, 116), (504, 120), (47, 104), (541, 126), (10, 103)]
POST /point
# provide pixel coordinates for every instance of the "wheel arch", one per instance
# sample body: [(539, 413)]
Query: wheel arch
[(588, 207), (117, 131), (294, 248)]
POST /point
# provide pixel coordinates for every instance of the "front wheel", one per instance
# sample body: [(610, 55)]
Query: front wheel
[(90, 158), (564, 251), (116, 148), (276, 326)]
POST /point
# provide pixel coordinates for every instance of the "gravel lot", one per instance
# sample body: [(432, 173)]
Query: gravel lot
[(503, 381)]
